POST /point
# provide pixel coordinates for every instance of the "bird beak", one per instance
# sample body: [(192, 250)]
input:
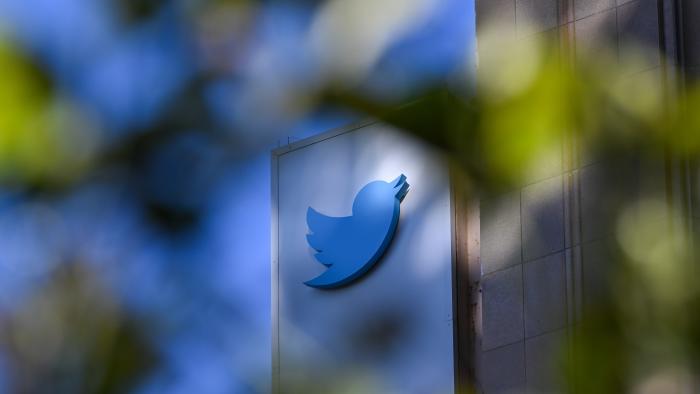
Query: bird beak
[(400, 187)]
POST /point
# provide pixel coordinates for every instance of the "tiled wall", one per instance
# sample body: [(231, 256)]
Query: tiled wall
[(542, 249), (691, 30), (526, 257), (691, 55)]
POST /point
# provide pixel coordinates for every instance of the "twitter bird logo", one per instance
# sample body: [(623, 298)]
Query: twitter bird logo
[(349, 246)]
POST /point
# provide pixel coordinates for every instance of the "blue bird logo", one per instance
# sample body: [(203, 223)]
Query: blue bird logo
[(349, 246)]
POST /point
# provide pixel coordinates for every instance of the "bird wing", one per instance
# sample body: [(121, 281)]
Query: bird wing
[(326, 235)]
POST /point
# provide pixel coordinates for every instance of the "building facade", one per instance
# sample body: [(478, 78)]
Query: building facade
[(531, 295), (526, 264)]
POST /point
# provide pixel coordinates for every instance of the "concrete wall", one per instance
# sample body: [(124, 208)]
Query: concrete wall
[(543, 246), (691, 37)]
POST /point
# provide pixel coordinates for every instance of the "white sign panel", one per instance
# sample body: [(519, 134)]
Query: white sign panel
[(388, 328)]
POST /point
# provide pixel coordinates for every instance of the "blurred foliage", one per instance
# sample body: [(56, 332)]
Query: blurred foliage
[(43, 137), (138, 10), (529, 106), (71, 337), (523, 112)]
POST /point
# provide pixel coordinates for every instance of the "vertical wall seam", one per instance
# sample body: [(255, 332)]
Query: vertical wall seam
[(522, 284)]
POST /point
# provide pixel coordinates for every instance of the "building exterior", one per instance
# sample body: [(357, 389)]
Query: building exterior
[(526, 263), (530, 300)]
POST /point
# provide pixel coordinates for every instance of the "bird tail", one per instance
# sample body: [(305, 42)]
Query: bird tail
[(318, 235)]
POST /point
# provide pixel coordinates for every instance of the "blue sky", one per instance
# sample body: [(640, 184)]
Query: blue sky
[(216, 277)]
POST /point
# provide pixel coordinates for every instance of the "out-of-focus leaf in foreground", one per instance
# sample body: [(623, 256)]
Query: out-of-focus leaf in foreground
[(533, 114), (71, 336), (44, 137)]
